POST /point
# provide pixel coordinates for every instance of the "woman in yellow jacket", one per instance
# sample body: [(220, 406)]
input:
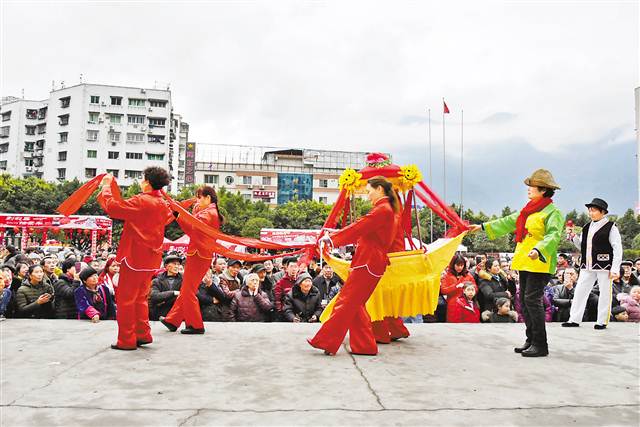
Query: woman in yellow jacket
[(538, 228)]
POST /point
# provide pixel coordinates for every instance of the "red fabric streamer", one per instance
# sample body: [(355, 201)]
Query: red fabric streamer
[(80, 196), (530, 208)]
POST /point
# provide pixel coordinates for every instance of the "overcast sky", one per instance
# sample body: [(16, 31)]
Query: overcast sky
[(554, 76)]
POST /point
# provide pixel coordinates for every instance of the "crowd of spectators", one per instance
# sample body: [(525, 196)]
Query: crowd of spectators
[(473, 289)]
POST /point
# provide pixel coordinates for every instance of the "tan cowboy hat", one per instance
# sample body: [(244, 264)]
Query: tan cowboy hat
[(542, 178)]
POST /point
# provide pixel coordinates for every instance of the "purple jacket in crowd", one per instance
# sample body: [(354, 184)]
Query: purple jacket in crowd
[(88, 307)]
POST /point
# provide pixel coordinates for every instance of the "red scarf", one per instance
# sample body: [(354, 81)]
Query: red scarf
[(530, 208)]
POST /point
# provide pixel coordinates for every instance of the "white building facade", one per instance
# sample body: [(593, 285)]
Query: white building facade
[(90, 129), (275, 175)]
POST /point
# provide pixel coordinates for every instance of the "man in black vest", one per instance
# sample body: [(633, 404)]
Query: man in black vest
[(601, 248)]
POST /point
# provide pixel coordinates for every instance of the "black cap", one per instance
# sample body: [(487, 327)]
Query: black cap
[(86, 273), (258, 268), (231, 262), (598, 203), (67, 264), (172, 258), (617, 310)]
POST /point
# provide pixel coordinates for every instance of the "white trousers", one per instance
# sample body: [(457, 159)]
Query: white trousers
[(586, 281)]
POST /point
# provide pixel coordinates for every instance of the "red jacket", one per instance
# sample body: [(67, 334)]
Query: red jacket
[(145, 216), (199, 242), (449, 283), (461, 312), (283, 286), (372, 235)]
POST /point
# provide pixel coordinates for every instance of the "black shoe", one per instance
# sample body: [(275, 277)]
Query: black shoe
[(192, 331), (570, 325), (169, 326), (534, 351), (140, 343), (523, 348), (115, 347), (596, 326)]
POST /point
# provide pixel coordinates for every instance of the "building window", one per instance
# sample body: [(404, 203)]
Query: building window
[(134, 156), (136, 102), (246, 180), (42, 113), (30, 130), (95, 99), (62, 156), (158, 123), (323, 183), (28, 162), (113, 172), (159, 139), (135, 137), (135, 120), (246, 196), (4, 131), (64, 120), (323, 200), (65, 102), (151, 156), (92, 154), (4, 148), (64, 136), (116, 100), (62, 173), (90, 172), (115, 119), (132, 174), (266, 180), (6, 116), (3, 165), (114, 136), (28, 146), (32, 114), (113, 155), (229, 180), (92, 135), (93, 117), (157, 103), (42, 128), (211, 179), (40, 144)]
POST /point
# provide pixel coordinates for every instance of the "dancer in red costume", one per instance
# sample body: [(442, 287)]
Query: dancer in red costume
[(367, 267), (186, 308), (392, 328), (139, 252)]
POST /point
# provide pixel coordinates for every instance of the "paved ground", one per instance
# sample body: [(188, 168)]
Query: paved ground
[(63, 373)]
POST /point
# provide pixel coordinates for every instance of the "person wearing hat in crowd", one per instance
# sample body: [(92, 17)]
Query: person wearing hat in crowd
[(284, 285), (93, 299), (65, 288), (165, 288), (601, 254), (139, 251), (538, 230), (267, 286), (229, 283), (186, 308), (626, 280), (303, 303), (620, 314), (250, 303), (636, 268)]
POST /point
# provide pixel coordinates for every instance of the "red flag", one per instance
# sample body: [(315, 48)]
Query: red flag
[(446, 109)]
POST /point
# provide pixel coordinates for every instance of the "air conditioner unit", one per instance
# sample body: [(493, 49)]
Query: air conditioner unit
[(143, 129), (100, 120), (110, 128), (250, 186), (135, 125), (28, 169), (113, 143), (104, 104), (143, 91), (150, 109), (262, 187)]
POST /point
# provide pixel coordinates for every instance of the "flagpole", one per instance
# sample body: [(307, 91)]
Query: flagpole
[(430, 180), (461, 163), (444, 162)]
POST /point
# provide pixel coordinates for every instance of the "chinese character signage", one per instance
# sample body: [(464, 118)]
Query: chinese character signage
[(190, 164), (261, 194)]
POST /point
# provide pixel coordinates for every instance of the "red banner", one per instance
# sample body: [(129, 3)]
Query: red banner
[(56, 221), (293, 238)]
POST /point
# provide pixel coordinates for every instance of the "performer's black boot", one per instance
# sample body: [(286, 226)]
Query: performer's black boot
[(169, 326), (534, 351), (570, 325), (192, 331), (526, 345)]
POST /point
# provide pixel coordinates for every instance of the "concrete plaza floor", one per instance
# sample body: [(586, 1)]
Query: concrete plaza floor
[(59, 372)]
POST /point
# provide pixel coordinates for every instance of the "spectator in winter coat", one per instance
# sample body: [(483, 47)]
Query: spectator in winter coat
[(93, 299), (5, 292), (65, 287), (209, 296), (230, 282), (631, 303), (250, 304), (501, 314), (620, 314), (285, 284), (563, 294), (266, 283), (494, 284), (453, 281), (325, 282), (302, 303), (48, 265), (466, 309), (165, 288), (35, 298)]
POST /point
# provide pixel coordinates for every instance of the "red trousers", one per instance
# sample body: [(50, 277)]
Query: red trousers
[(132, 312), (389, 328), (349, 314), (186, 307)]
